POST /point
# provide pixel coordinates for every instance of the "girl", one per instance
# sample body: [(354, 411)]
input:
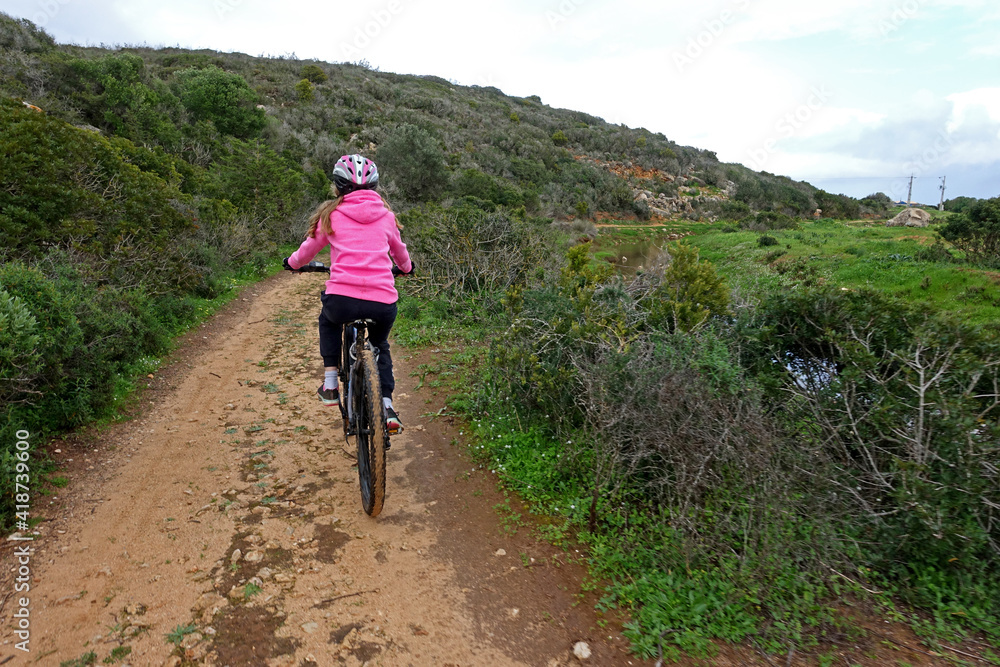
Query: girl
[(362, 234)]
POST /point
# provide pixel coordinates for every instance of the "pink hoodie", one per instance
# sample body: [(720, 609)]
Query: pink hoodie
[(364, 237)]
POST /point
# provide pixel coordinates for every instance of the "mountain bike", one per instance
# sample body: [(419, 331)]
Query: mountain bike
[(361, 406)]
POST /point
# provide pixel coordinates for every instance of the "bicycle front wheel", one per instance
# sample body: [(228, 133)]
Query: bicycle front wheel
[(371, 434)]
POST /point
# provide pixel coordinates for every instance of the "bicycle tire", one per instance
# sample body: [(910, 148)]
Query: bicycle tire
[(371, 435)]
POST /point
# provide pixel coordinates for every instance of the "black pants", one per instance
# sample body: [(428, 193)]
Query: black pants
[(339, 310)]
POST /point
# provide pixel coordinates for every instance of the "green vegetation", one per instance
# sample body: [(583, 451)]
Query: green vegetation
[(977, 232), (85, 660), (763, 425), (828, 435), (176, 636)]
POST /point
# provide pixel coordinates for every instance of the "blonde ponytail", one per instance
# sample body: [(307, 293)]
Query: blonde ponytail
[(321, 216)]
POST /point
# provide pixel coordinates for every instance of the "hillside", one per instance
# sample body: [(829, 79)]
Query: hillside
[(473, 141), (137, 184)]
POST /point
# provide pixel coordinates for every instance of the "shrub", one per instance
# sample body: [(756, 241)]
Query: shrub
[(691, 292), (937, 252), (119, 96), (899, 411), (259, 182), (641, 209), (878, 202), (313, 73), (960, 204), (20, 360), (413, 161), (763, 241), (60, 185), (767, 221), (304, 91), (483, 187), (223, 98), (977, 232), (734, 210), (467, 250), (559, 138)]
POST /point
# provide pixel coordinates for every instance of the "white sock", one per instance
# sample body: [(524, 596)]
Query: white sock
[(387, 402), (331, 380)]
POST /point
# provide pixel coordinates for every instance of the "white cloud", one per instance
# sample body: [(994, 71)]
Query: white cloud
[(974, 101)]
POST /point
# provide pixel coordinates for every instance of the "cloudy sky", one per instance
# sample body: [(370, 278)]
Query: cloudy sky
[(851, 95)]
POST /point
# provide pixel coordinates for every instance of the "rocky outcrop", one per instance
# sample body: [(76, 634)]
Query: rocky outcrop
[(911, 217), (660, 205)]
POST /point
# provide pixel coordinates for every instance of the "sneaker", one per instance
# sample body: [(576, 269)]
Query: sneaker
[(330, 397), (392, 423)]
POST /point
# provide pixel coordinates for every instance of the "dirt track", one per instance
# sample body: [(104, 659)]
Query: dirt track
[(231, 451)]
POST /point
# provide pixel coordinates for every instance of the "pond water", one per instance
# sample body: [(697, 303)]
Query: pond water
[(629, 255)]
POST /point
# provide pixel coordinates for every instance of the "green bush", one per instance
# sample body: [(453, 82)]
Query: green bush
[(878, 202), (119, 96), (767, 221), (559, 138), (937, 252), (261, 184), (960, 204), (20, 360), (691, 292), (305, 91), (413, 161), (899, 408), (468, 250), (60, 185), (763, 241), (313, 73), (976, 232), (223, 98), (476, 184)]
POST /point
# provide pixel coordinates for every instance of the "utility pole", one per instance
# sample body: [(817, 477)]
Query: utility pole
[(944, 180), (909, 197)]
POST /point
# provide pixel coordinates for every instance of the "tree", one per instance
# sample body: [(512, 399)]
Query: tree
[(313, 73), (224, 98), (959, 204), (691, 292), (412, 160), (878, 202), (977, 232), (304, 90)]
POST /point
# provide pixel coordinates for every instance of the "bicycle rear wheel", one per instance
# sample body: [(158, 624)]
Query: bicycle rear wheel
[(371, 434)]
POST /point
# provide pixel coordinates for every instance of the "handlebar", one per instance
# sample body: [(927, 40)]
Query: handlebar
[(315, 267), (320, 267)]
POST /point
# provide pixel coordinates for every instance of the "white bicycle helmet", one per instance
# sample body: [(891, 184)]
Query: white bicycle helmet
[(355, 172)]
